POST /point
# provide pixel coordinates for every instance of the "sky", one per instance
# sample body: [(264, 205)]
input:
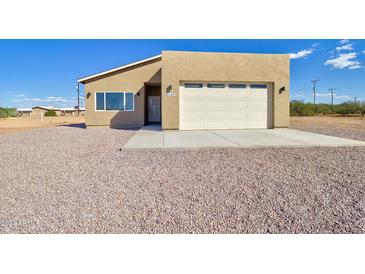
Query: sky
[(45, 72)]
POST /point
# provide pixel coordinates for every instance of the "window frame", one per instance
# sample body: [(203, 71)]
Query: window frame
[(258, 85), (201, 85), (124, 101), (96, 101), (230, 86), (220, 84)]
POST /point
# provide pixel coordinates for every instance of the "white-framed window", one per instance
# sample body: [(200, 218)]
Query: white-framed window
[(193, 85), (114, 101), (216, 85)]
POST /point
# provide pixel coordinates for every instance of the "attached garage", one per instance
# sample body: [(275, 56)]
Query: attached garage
[(192, 91), (225, 105)]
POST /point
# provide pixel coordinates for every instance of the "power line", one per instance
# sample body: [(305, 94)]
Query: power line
[(331, 90), (314, 82)]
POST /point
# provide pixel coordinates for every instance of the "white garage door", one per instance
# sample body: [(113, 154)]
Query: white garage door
[(224, 106)]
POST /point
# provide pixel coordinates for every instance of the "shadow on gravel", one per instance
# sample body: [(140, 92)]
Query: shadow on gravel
[(80, 125)]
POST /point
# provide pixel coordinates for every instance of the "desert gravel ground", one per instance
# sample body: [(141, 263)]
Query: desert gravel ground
[(73, 180), (345, 127), (356, 134)]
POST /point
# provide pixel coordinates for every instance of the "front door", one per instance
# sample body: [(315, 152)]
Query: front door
[(154, 109)]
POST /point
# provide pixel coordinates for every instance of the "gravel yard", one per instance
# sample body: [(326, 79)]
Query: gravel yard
[(354, 134), (345, 127), (73, 180)]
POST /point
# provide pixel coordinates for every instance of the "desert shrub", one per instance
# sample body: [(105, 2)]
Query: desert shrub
[(7, 112), (323, 109), (349, 108), (50, 113), (299, 108)]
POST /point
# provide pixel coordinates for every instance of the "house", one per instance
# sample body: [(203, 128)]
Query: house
[(192, 90), (39, 111), (71, 111), (26, 112)]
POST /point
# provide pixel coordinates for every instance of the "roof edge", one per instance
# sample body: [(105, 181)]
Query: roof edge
[(82, 80)]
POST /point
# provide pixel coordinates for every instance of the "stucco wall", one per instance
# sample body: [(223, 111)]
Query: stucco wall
[(131, 79), (39, 112), (180, 66)]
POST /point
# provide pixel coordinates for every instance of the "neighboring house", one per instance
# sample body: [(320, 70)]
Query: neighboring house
[(26, 112), (71, 111), (192, 90), (39, 111)]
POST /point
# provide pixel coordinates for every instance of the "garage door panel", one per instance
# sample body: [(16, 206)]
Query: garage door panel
[(223, 108)]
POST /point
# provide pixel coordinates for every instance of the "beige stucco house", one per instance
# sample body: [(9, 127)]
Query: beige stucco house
[(192, 90), (40, 111)]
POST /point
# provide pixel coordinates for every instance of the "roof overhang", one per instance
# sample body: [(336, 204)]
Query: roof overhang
[(82, 80)]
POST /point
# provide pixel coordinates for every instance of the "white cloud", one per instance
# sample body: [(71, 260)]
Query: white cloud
[(301, 54), (344, 41), (323, 94), (297, 95), (363, 51), (19, 95), (335, 96), (345, 47), (355, 67), (344, 60), (345, 97), (58, 101)]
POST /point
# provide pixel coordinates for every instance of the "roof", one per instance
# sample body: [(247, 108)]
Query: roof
[(24, 109), (71, 109), (47, 108), (82, 80)]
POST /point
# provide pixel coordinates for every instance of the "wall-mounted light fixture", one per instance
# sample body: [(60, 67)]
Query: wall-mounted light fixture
[(169, 89), (138, 93), (281, 90), (88, 95)]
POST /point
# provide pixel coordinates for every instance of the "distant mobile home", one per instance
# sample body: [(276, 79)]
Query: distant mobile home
[(192, 90), (24, 112)]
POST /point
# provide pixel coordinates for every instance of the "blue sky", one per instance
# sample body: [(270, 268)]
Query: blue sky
[(44, 72)]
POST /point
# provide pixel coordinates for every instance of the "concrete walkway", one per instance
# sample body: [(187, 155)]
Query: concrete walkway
[(153, 137)]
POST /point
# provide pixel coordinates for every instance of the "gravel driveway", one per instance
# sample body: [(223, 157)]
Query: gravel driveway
[(72, 180)]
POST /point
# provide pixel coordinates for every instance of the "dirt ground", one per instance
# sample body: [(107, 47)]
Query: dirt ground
[(10, 125), (345, 127), (354, 123)]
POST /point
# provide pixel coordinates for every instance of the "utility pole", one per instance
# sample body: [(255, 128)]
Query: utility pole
[(314, 82), (78, 98), (331, 90)]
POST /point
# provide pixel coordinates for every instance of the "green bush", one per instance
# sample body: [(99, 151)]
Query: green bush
[(7, 112), (299, 108), (50, 113)]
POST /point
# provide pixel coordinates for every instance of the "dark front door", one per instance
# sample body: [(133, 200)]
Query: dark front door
[(154, 109)]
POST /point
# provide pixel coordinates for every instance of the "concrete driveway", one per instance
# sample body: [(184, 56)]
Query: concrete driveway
[(154, 137)]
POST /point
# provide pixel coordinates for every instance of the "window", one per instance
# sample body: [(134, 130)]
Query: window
[(129, 101), (215, 85), (237, 85), (114, 101), (258, 86), (99, 101), (193, 85)]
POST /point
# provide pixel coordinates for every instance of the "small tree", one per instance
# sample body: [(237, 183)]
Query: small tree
[(50, 113)]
